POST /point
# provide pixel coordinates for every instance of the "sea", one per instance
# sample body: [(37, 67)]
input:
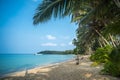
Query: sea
[(17, 62)]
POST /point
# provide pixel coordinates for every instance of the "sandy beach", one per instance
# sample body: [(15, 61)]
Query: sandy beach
[(62, 71)]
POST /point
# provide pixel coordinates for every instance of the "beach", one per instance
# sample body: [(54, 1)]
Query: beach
[(67, 70)]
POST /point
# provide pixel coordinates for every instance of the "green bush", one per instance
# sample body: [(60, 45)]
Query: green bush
[(111, 57), (101, 55), (112, 67), (115, 55)]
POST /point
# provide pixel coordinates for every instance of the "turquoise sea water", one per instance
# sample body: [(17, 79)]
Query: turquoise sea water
[(16, 62)]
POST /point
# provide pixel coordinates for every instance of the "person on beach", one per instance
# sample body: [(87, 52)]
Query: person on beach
[(77, 60)]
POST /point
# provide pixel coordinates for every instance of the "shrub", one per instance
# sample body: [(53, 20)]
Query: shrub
[(101, 55), (111, 57), (112, 67)]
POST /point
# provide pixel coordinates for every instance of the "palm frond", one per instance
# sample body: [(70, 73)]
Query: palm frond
[(52, 8)]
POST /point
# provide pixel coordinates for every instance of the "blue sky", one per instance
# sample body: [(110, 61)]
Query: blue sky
[(19, 35)]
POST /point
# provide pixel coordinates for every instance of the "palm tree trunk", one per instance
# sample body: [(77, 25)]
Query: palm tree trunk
[(117, 42), (112, 40), (100, 43), (117, 2), (103, 42), (101, 36)]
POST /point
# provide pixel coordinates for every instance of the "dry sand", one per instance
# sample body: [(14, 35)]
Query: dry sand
[(62, 71)]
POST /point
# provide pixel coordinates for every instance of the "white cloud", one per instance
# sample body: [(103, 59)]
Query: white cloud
[(50, 37), (70, 43), (62, 44), (49, 44)]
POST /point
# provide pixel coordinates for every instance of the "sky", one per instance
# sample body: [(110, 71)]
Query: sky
[(19, 35)]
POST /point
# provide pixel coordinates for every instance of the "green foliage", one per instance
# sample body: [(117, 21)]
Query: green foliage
[(79, 50), (115, 55), (94, 64), (75, 51), (112, 67), (101, 55), (113, 27), (111, 57)]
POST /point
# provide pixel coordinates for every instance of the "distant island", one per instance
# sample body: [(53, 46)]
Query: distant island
[(56, 52)]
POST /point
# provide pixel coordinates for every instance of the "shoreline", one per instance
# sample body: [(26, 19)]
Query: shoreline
[(66, 70), (22, 72)]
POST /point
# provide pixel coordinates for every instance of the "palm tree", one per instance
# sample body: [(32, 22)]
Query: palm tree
[(97, 14)]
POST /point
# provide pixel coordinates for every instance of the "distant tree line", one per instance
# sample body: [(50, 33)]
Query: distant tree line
[(56, 52)]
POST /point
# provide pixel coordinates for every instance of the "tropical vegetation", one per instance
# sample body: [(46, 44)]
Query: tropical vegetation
[(98, 31)]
